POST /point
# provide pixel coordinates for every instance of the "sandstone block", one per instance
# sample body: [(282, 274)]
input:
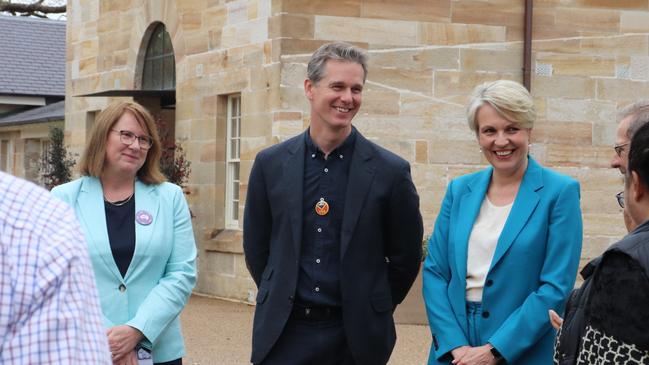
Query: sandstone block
[(615, 89), (585, 20), (454, 152), (634, 22), (291, 26), (452, 34), (578, 156), (570, 110), (450, 83), (490, 60), (406, 80), (378, 31), (639, 68), (419, 59), (599, 224), (623, 45), (346, 8), (424, 10), (563, 133), (579, 65), (573, 87), (254, 31)]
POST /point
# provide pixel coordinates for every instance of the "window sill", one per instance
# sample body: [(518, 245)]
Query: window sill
[(228, 240)]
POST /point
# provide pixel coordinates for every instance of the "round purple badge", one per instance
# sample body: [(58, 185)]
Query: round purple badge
[(143, 217)]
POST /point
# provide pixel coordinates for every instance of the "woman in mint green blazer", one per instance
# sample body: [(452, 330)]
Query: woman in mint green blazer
[(506, 244), (139, 235)]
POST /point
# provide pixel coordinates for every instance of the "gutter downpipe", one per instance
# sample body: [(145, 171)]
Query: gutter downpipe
[(527, 46)]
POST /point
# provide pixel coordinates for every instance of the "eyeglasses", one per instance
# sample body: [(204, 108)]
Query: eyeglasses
[(619, 148), (620, 198), (128, 137)]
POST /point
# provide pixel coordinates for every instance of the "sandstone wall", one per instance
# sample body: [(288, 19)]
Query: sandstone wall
[(590, 58)]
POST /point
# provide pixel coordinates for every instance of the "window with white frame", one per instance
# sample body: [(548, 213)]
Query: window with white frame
[(233, 161)]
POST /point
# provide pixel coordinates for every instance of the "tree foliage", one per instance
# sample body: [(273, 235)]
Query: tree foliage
[(39, 8), (173, 162), (56, 161)]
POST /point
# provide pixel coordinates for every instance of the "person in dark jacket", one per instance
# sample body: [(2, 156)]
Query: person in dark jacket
[(631, 118), (615, 301)]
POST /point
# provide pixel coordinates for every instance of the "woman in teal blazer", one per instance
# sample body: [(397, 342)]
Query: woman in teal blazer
[(506, 244), (139, 235)]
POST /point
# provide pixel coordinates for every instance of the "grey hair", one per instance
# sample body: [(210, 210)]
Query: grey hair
[(511, 100), (639, 111), (334, 51)]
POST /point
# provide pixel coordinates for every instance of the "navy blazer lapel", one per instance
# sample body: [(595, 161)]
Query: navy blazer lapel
[(293, 173), (361, 174), (470, 204), (524, 205)]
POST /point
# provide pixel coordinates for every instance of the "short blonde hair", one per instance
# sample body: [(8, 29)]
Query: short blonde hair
[(510, 99), (94, 156)]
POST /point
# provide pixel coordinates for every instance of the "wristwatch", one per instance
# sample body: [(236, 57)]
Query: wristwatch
[(496, 354)]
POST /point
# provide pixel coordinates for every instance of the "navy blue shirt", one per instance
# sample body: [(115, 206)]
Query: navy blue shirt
[(319, 278), (120, 221)]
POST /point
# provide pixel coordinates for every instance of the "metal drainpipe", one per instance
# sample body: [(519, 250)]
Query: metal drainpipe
[(527, 46)]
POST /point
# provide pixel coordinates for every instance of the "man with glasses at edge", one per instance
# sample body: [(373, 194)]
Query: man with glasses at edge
[(631, 118)]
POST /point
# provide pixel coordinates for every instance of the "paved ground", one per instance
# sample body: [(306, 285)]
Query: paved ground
[(217, 332)]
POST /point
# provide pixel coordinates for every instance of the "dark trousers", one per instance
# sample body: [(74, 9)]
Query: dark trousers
[(311, 342), (172, 362)]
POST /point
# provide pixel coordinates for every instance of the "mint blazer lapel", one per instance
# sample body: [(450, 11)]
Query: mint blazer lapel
[(147, 201), (468, 212), (361, 175), (92, 216), (524, 205), (293, 175)]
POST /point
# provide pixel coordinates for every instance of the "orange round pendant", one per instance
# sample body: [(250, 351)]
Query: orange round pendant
[(322, 207)]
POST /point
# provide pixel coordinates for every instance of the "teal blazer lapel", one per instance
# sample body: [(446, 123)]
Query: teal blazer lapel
[(361, 174), (93, 217), (294, 179), (524, 205), (469, 208), (146, 205)]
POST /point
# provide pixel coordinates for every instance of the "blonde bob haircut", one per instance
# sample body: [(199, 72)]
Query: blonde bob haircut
[(94, 156), (510, 99)]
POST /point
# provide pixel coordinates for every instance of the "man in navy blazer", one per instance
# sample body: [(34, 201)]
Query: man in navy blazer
[(332, 230)]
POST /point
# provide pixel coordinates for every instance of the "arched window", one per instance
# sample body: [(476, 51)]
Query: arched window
[(159, 64)]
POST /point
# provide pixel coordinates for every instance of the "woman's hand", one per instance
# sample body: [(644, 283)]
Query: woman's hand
[(555, 319), (122, 341), (458, 352), (480, 355)]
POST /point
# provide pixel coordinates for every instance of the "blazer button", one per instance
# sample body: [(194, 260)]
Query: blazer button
[(485, 314), (489, 282), (122, 288), (291, 298)]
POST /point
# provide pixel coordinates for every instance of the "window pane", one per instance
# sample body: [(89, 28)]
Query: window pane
[(235, 210), (234, 150), (156, 42), (168, 73), (235, 191), (156, 78), (167, 47), (146, 82)]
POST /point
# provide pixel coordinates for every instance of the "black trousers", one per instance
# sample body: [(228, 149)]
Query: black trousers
[(311, 342), (172, 362)]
